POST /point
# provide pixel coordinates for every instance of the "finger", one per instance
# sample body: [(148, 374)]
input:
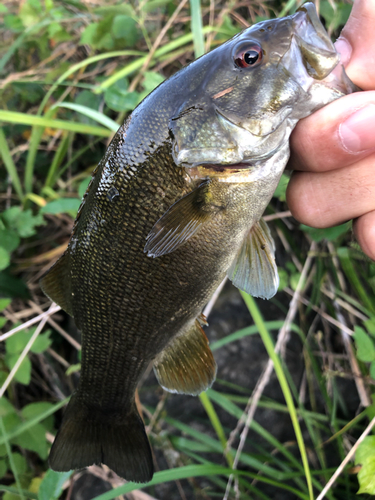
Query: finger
[(357, 44), (364, 230), (336, 136), (326, 199)]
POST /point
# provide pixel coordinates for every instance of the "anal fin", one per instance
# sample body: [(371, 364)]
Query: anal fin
[(186, 365), (56, 284), (254, 270)]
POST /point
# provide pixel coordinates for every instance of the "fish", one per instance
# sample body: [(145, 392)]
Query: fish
[(174, 206)]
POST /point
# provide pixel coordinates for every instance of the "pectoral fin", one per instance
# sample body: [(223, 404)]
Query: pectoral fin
[(181, 221), (186, 366), (56, 284), (254, 270)]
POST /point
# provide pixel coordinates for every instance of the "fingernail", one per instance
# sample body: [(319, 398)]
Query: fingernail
[(344, 48), (357, 131)]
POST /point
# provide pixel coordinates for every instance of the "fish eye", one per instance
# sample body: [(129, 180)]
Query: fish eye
[(246, 55)]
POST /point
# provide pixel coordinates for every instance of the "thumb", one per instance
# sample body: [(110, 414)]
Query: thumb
[(356, 44)]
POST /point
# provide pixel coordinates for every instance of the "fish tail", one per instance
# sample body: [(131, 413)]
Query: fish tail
[(116, 439)]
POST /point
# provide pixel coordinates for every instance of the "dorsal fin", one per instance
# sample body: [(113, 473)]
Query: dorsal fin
[(187, 365), (254, 270), (56, 284)]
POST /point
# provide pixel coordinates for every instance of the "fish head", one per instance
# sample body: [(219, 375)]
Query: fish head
[(244, 98)]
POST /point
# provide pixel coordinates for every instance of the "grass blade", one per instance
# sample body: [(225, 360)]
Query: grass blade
[(9, 165), (269, 345), (57, 159), (216, 424), (90, 113), (138, 63), (197, 28), (250, 330), (5, 438), (192, 471), (15, 491), (27, 119)]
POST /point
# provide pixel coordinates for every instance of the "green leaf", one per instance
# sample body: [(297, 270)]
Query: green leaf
[(6, 407), (4, 303), (4, 258), (294, 280), (30, 12), (52, 484), (125, 29), (151, 80), (372, 370), (335, 17), (33, 410), (13, 23), (17, 342), (62, 205), (83, 186), (3, 468), (10, 421), (365, 456), (330, 233), (23, 374), (19, 463), (370, 326), (10, 286), (154, 4), (34, 439), (119, 99), (365, 345), (41, 343), (15, 427), (22, 221), (98, 35), (280, 191), (113, 10), (284, 278), (9, 239)]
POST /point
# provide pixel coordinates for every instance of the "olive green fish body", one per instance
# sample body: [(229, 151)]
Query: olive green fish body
[(175, 206)]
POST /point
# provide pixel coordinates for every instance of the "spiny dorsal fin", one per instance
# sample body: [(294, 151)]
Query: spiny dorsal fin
[(254, 270), (187, 365), (56, 284), (181, 221)]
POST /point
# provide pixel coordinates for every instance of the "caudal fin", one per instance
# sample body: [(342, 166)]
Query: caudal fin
[(86, 438)]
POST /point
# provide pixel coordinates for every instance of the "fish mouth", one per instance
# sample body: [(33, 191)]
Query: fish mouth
[(236, 172)]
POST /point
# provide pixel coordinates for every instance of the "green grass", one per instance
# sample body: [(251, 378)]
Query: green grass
[(66, 87)]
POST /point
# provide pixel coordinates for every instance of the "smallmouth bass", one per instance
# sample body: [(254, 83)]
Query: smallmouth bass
[(174, 206)]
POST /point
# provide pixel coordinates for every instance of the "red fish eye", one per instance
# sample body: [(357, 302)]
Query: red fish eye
[(248, 55)]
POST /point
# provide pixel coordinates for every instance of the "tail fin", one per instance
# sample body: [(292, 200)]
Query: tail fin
[(118, 441)]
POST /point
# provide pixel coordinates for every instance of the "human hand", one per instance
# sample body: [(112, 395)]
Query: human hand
[(333, 150)]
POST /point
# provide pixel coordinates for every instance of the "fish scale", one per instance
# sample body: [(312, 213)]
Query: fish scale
[(175, 206)]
